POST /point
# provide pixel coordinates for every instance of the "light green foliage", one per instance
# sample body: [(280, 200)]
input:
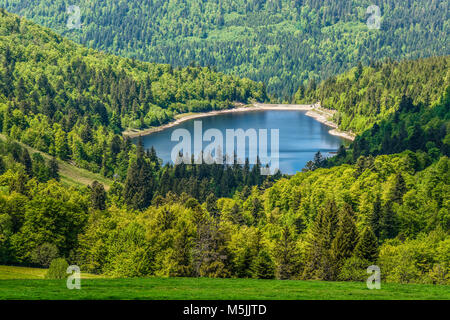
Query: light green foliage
[(354, 269), (424, 259), (58, 269)]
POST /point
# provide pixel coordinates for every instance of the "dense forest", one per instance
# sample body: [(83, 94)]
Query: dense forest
[(280, 42), (323, 224), (365, 95), (385, 200), (72, 102)]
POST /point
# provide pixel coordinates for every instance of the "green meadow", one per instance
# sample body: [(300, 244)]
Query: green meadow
[(29, 283)]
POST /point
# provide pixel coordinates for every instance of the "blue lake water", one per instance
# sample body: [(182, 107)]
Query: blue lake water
[(300, 136)]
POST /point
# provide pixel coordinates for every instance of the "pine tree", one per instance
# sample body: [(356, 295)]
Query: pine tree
[(342, 153), (54, 169), (375, 218), (25, 159), (154, 158), (367, 246), (285, 254), (399, 189), (318, 160), (182, 257), (211, 205), (140, 181), (263, 266), (323, 231), (389, 223), (98, 196), (344, 242), (210, 253)]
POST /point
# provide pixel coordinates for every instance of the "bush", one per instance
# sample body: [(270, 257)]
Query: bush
[(58, 269), (44, 254), (354, 269), (440, 274)]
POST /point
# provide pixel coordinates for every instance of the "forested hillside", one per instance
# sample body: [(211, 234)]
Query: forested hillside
[(280, 42), (365, 95), (73, 102), (385, 200), (325, 224)]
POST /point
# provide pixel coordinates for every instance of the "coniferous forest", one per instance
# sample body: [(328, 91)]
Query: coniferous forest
[(384, 199), (280, 42)]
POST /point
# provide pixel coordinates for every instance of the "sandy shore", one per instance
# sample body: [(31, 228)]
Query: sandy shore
[(323, 116), (312, 111)]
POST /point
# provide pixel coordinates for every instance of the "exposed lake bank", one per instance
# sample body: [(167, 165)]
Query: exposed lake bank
[(314, 111)]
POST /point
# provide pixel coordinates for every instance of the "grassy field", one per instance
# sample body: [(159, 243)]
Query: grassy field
[(28, 283), (21, 273)]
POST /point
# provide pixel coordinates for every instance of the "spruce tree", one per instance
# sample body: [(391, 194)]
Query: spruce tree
[(139, 184), (367, 246), (389, 223), (375, 218), (398, 189), (54, 169), (25, 159), (285, 254), (263, 266), (344, 242), (321, 236), (98, 196), (211, 205), (318, 160)]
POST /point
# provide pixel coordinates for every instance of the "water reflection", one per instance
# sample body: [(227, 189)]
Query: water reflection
[(300, 136)]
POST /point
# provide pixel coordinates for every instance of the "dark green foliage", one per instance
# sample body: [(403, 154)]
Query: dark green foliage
[(398, 189), (388, 223), (214, 220), (320, 261), (263, 266), (75, 110), (286, 258), (140, 182), (53, 169), (44, 254), (367, 247), (346, 238), (98, 196), (422, 128), (399, 94), (375, 217), (279, 42), (210, 254)]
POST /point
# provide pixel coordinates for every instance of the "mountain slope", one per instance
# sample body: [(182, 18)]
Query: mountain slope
[(365, 95), (69, 101), (280, 42)]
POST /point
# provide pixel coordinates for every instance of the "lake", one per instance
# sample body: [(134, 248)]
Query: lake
[(300, 136)]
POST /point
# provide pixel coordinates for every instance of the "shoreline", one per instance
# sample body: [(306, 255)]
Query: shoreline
[(322, 117), (312, 111)]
